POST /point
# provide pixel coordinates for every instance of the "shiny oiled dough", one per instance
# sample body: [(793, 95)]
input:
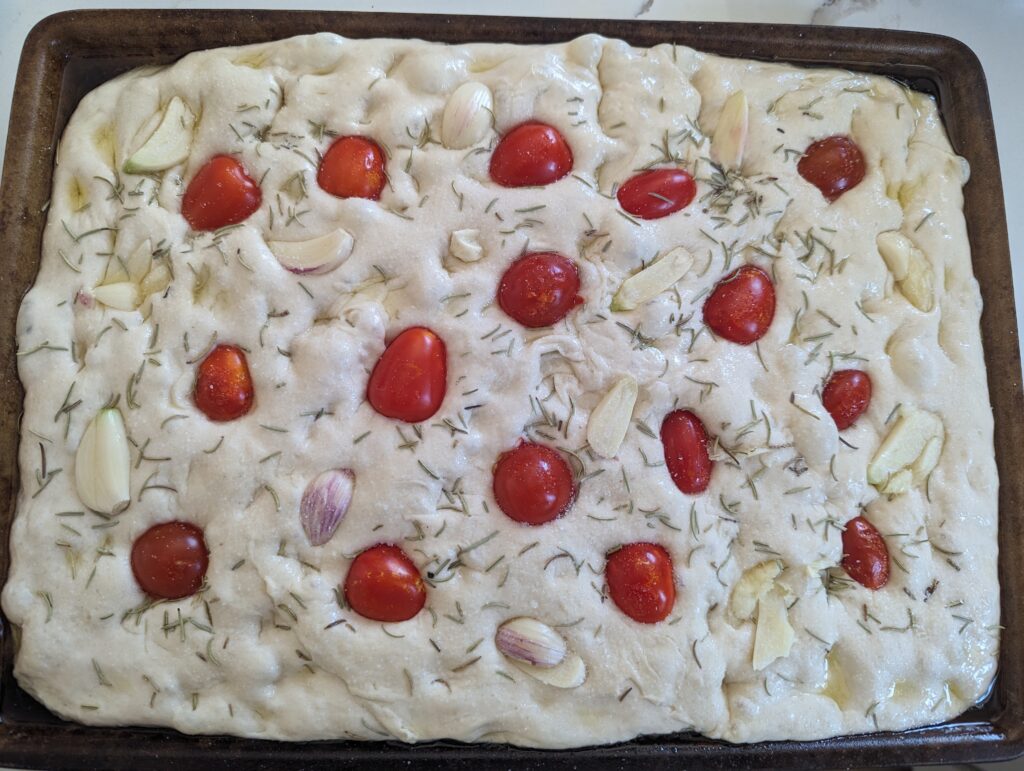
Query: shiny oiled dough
[(253, 654)]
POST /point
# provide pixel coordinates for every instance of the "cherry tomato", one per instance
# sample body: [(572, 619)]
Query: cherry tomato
[(865, 555), (353, 167), (833, 165), (221, 193), (686, 451), (540, 289), (169, 560), (410, 378), (223, 384), (533, 484), (640, 581), (741, 306), (657, 193), (531, 154), (383, 584), (846, 396)]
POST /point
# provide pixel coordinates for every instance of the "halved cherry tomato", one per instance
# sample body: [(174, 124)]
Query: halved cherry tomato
[(531, 154), (540, 289), (833, 165), (410, 378), (640, 581), (657, 193), (169, 560), (353, 167), (221, 193), (741, 306), (846, 396), (686, 451), (865, 555), (223, 384), (383, 584), (533, 484)]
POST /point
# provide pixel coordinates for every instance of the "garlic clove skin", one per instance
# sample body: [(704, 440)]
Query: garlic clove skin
[(652, 280), (325, 503), (169, 144), (609, 420), (528, 641), (122, 296), (103, 464), (468, 116), (315, 255), (571, 673), (465, 245)]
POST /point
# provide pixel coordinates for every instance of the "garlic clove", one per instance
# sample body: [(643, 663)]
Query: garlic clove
[(527, 640), (571, 673), (652, 280), (609, 420), (103, 464), (895, 250), (315, 255), (465, 245), (140, 262), (913, 446), (156, 280), (169, 144), (730, 137), (122, 296), (325, 503), (773, 637), (468, 116), (918, 286), (754, 584)]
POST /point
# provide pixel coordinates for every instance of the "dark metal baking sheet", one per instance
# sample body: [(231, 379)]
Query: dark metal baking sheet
[(68, 54)]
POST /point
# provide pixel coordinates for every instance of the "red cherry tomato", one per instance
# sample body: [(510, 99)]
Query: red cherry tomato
[(640, 581), (741, 306), (865, 555), (383, 584), (833, 165), (410, 378), (353, 167), (533, 484), (531, 154), (223, 384), (686, 451), (169, 560), (657, 193), (221, 193), (540, 289), (846, 396)]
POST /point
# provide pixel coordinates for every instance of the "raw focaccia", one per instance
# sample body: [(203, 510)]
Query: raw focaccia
[(269, 648)]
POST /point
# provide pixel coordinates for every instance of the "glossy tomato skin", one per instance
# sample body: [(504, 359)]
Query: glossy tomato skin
[(224, 389), (383, 584), (540, 289), (221, 193), (741, 306), (846, 396), (833, 165), (531, 154), (686, 451), (169, 560), (865, 555), (353, 167), (640, 581), (533, 484), (410, 378), (657, 193)]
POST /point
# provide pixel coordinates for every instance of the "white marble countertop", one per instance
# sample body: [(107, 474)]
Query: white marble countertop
[(993, 28)]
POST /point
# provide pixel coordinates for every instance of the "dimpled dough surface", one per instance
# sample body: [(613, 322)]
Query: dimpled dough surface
[(260, 651)]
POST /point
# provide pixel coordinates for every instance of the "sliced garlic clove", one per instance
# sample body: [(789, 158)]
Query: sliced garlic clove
[(103, 464), (609, 420), (468, 116), (730, 137), (140, 262), (315, 255), (652, 280), (754, 584), (122, 296), (157, 280), (528, 641), (895, 250), (465, 245), (325, 503), (913, 446), (571, 673), (169, 144), (773, 637)]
